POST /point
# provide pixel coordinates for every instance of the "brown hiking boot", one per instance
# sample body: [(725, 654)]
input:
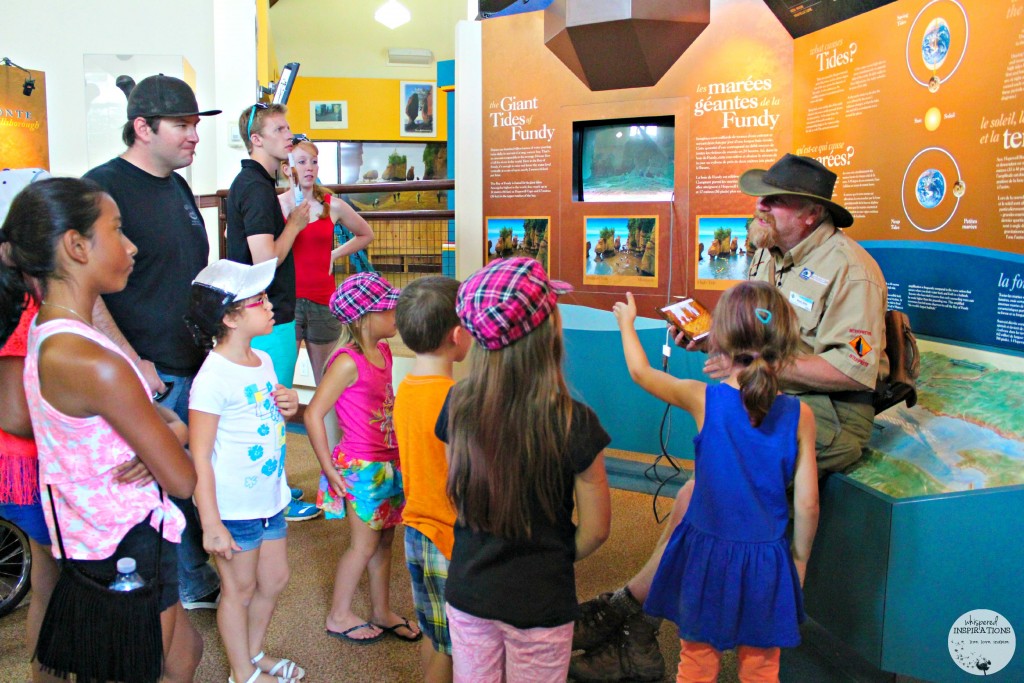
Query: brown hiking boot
[(633, 655), (599, 621)]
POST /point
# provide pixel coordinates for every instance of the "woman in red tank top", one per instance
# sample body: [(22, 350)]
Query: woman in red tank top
[(315, 254)]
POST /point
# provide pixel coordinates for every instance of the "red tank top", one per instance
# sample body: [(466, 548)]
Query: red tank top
[(312, 254)]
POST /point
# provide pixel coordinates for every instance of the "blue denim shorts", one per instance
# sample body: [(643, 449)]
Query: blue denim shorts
[(249, 534), (29, 518)]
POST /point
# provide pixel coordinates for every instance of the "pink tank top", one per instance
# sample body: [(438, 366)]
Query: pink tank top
[(77, 456), (365, 409)]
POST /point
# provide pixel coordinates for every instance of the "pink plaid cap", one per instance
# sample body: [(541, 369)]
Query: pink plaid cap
[(360, 294), (506, 300)]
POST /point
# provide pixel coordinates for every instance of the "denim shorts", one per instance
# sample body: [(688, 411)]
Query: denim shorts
[(315, 324), (29, 518), (249, 534), (140, 543)]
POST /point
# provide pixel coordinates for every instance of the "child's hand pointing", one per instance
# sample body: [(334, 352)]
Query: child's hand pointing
[(625, 311)]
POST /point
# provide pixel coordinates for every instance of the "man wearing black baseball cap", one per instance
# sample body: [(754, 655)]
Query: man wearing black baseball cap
[(159, 214), (839, 295)]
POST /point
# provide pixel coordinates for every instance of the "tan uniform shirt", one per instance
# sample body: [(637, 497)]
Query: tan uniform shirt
[(840, 299)]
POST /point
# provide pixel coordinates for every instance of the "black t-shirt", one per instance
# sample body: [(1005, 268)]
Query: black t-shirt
[(161, 217), (526, 583), (253, 209)]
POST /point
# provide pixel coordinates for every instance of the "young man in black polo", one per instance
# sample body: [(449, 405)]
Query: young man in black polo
[(257, 232)]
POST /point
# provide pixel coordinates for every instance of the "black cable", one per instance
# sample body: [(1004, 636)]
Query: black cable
[(651, 473)]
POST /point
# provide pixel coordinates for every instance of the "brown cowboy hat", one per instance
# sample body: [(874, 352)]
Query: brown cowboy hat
[(796, 175)]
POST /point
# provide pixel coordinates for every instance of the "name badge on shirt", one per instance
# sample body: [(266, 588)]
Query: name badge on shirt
[(801, 301)]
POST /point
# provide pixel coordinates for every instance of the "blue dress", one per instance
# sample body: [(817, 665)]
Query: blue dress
[(727, 577)]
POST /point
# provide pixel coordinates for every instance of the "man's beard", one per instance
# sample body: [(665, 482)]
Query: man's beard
[(762, 236)]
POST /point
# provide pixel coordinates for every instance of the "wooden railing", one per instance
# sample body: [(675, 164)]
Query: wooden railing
[(408, 240)]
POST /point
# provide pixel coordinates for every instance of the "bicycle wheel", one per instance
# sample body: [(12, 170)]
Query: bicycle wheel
[(15, 566)]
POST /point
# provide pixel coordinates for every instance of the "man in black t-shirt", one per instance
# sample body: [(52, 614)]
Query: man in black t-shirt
[(146, 319)]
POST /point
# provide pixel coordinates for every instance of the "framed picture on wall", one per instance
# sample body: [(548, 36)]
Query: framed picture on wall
[(722, 251), (512, 236), (418, 101), (328, 114), (620, 250)]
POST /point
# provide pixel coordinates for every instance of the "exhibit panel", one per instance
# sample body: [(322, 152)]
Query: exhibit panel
[(669, 151), (24, 142), (917, 106)]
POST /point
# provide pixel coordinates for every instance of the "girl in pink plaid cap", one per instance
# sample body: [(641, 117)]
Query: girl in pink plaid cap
[(522, 449), (361, 478)]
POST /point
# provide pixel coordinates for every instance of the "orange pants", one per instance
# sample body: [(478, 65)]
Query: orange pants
[(699, 663)]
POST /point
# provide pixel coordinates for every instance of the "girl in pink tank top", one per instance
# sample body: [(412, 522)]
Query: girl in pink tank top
[(103, 447), (361, 475)]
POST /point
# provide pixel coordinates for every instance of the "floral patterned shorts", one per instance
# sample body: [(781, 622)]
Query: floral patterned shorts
[(373, 490)]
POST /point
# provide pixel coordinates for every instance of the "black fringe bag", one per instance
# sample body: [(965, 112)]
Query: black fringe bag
[(99, 634)]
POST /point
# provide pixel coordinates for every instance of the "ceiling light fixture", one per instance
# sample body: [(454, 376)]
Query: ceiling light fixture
[(392, 14)]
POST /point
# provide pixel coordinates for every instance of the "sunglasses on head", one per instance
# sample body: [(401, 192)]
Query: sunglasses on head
[(252, 116), (300, 137)]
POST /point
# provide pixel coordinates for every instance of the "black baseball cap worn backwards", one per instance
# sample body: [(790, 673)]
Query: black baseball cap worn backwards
[(801, 176), (164, 96)]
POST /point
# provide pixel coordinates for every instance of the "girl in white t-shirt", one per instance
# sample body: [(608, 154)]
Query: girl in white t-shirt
[(237, 414)]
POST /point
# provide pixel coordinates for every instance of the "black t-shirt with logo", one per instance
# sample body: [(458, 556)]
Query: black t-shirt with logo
[(253, 209), (161, 217), (526, 583)]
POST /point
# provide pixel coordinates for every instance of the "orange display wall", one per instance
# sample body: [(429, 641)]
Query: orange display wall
[(730, 98), (919, 107)]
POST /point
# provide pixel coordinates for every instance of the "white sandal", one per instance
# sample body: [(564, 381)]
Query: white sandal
[(285, 668), (257, 673)]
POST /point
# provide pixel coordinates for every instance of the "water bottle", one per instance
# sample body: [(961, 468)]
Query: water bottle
[(295, 180), (127, 578)]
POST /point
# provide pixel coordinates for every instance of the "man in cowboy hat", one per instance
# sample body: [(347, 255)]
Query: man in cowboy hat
[(839, 295)]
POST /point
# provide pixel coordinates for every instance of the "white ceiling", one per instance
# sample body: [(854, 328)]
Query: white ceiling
[(341, 39)]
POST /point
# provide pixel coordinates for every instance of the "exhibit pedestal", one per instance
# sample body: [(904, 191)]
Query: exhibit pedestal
[(890, 576)]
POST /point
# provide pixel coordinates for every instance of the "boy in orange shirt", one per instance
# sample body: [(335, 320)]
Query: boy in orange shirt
[(428, 325)]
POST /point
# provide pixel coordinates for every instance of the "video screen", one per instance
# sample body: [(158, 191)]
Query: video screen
[(624, 160)]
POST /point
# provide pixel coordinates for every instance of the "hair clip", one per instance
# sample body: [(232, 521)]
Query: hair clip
[(764, 315)]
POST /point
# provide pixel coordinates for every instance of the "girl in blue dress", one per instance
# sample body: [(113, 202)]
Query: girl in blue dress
[(729, 578)]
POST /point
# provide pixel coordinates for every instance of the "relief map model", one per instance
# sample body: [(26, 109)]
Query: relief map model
[(966, 432)]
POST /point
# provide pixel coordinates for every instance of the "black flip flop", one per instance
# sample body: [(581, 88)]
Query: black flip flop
[(393, 631), (344, 635)]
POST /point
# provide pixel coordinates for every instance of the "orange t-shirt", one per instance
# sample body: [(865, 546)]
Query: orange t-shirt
[(418, 402)]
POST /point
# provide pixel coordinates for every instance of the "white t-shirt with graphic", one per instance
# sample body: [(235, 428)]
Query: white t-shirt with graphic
[(249, 451)]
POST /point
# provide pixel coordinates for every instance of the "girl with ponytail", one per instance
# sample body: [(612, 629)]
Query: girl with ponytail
[(728, 577)]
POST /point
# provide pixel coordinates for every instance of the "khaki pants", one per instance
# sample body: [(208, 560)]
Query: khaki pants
[(843, 431)]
